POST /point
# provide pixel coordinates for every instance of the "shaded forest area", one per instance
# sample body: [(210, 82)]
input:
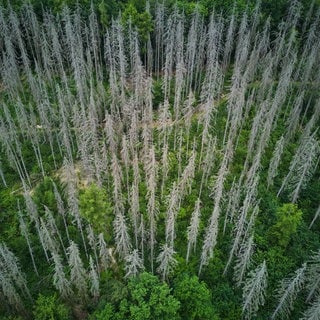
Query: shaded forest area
[(159, 160)]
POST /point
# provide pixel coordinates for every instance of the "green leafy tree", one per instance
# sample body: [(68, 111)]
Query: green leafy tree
[(195, 298), (49, 308), (106, 314), (190, 7), (289, 217), (96, 209), (107, 10), (151, 299), (147, 298), (43, 195), (141, 21)]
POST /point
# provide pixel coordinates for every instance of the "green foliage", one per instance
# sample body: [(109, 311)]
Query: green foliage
[(49, 308), (43, 194), (141, 21), (289, 217), (9, 224), (279, 264), (225, 297), (195, 298), (157, 94), (106, 314), (107, 10), (190, 7), (60, 4), (151, 299), (147, 298), (275, 9), (95, 207)]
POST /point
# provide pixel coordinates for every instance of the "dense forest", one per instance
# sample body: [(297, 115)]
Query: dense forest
[(159, 160)]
